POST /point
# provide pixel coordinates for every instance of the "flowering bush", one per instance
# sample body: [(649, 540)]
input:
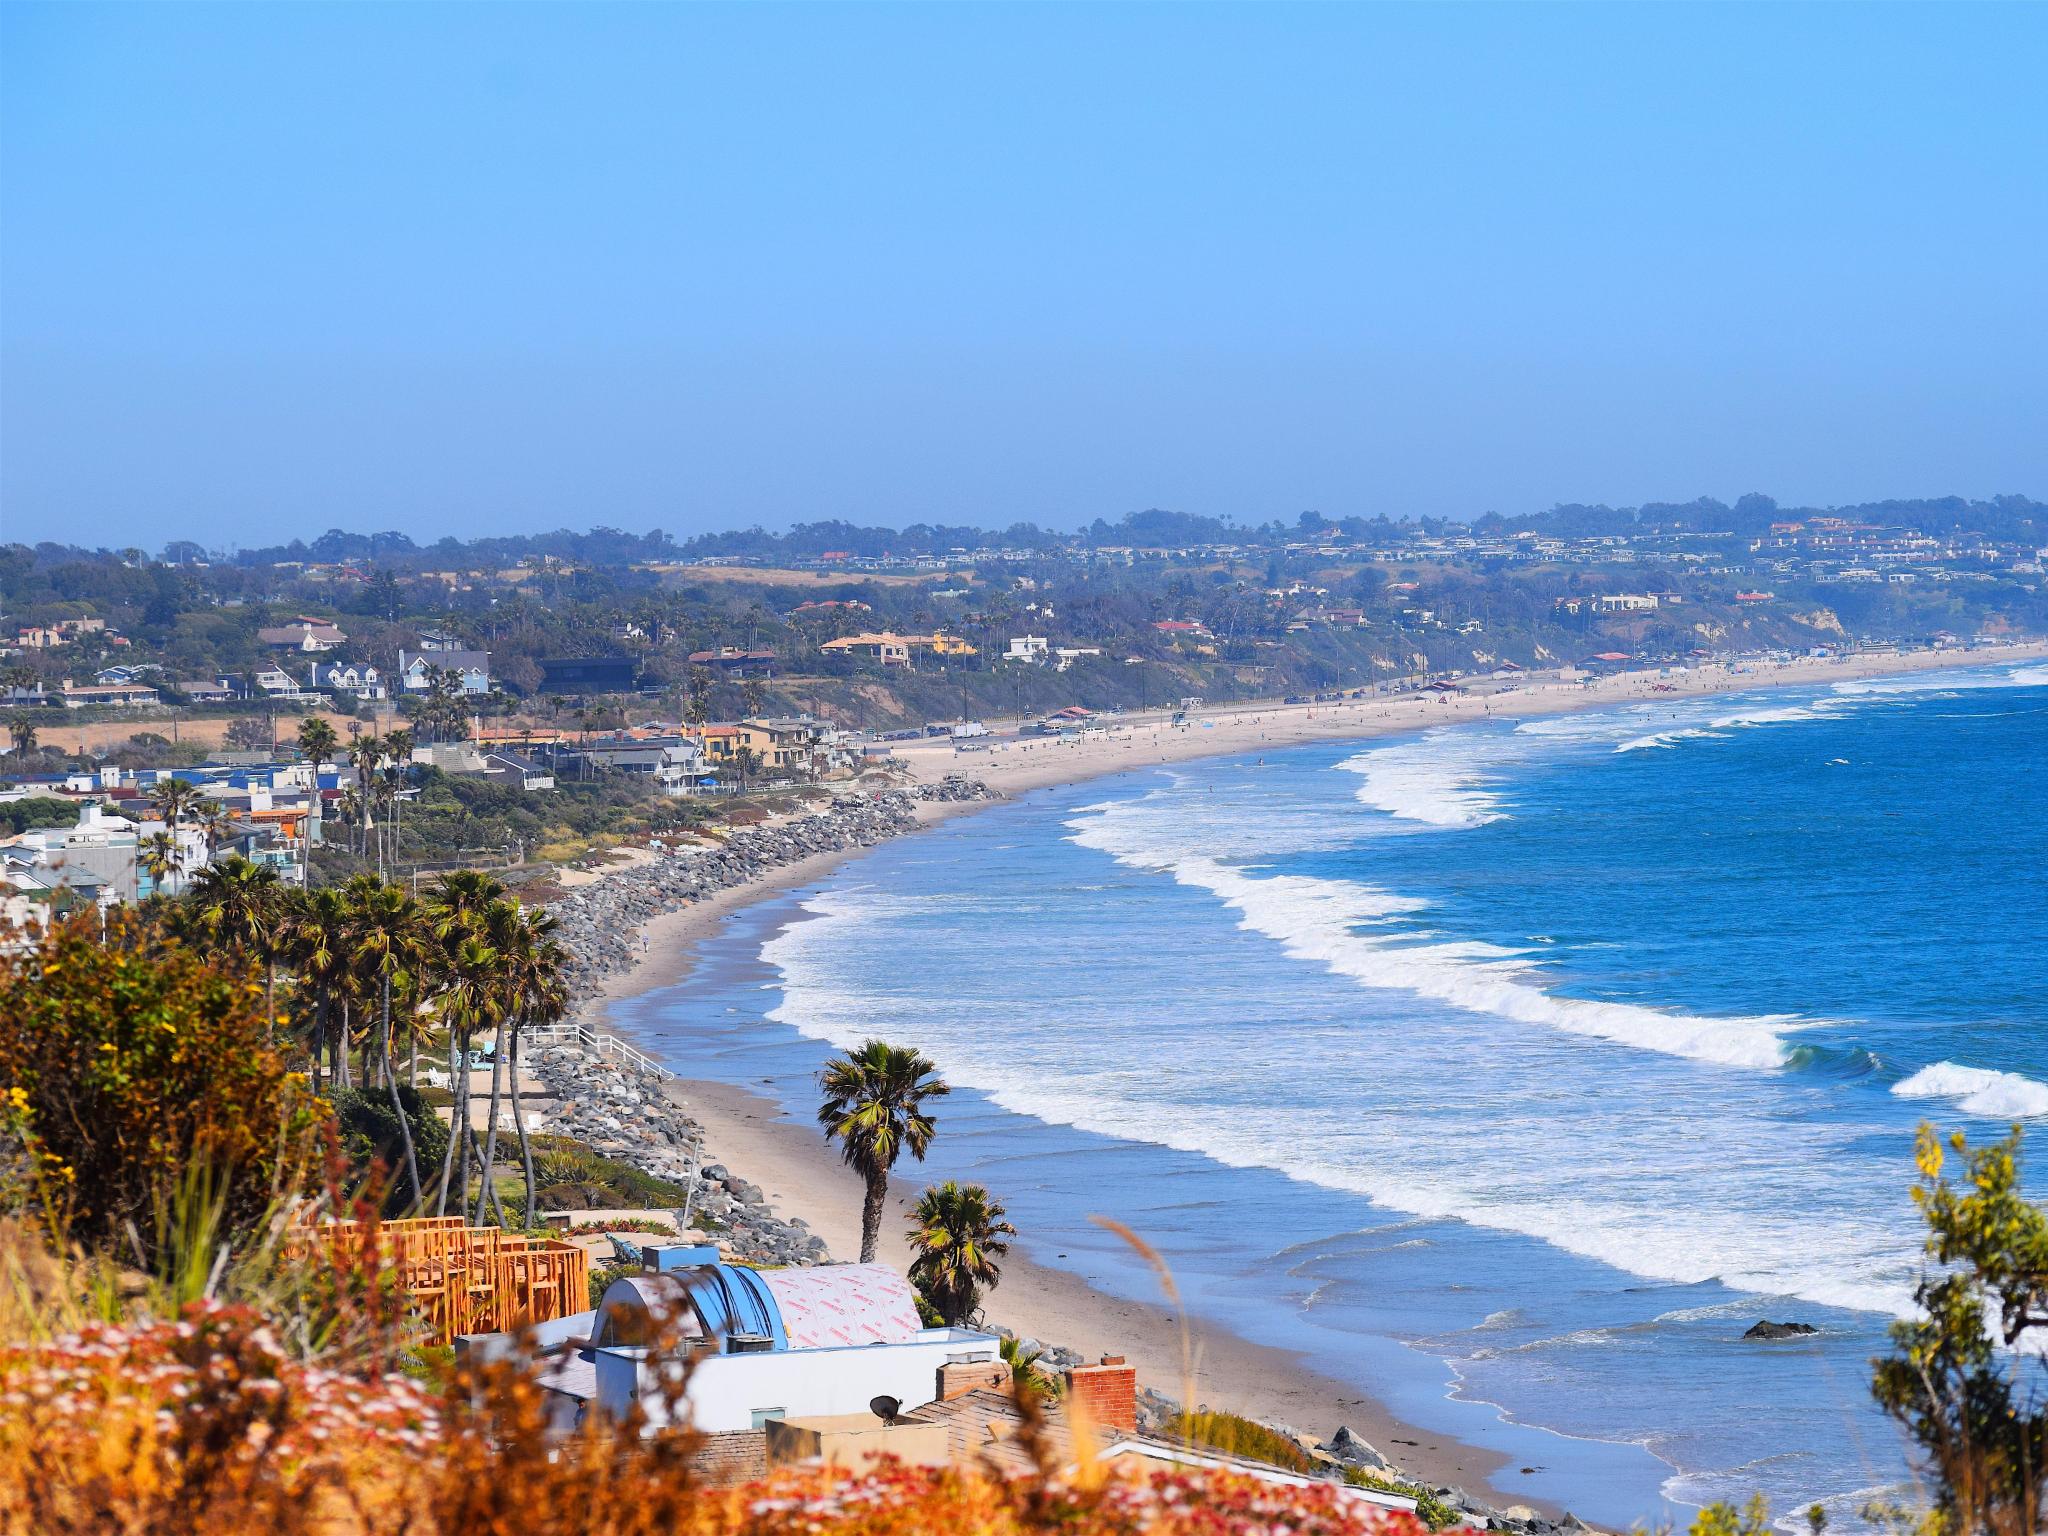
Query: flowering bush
[(205, 1426), (201, 1424), (895, 1500), (125, 1062)]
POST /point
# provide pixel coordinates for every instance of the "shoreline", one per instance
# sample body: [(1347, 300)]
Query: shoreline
[(1015, 765), (802, 1177)]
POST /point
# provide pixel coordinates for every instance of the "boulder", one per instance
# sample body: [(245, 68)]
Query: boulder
[(1766, 1329), (1347, 1448)]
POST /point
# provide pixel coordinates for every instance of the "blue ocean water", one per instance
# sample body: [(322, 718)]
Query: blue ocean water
[(1510, 1070)]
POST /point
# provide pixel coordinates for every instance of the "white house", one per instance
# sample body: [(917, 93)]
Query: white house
[(276, 683), (363, 682), (1026, 648), (470, 669), (809, 1341)]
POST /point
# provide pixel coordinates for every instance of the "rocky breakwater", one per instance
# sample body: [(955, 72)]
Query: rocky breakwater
[(600, 922), (626, 1113)]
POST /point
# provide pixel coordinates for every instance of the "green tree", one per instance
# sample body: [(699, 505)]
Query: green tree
[(315, 942), (215, 822), (240, 909), (470, 996), (22, 732), (1752, 1519), (874, 1108), (160, 859), (956, 1239), (398, 1130), (317, 739), (174, 800), (390, 948), (124, 1063), (535, 990), (1978, 1411)]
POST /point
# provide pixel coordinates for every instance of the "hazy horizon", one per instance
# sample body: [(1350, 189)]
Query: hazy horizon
[(464, 270)]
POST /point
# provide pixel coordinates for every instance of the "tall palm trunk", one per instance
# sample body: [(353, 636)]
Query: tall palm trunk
[(318, 1040), (458, 1121), (412, 1165), (342, 1077), (871, 1213), (525, 1141), (487, 1196), (490, 1149)]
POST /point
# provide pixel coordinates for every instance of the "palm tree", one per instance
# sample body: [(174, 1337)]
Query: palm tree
[(317, 739), (470, 994), (459, 917), (364, 756), (873, 1107), (173, 800), (506, 930), (531, 965), (241, 907), (391, 947), (23, 734), (1025, 1376), (543, 997), (215, 821), (159, 857), (397, 767), (956, 1236), (316, 943)]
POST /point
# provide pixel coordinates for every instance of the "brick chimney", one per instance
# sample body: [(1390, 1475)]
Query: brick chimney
[(1106, 1394), (959, 1377)]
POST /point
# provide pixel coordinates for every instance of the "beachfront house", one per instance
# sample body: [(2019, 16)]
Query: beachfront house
[(764, 1346), (830, 1363)]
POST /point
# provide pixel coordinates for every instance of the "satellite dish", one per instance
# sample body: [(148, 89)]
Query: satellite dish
[(885, 1408)]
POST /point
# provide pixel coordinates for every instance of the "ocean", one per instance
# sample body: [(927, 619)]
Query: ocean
[(1510, 1070)]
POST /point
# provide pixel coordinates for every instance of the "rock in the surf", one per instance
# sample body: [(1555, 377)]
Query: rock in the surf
[(1766, 1329)]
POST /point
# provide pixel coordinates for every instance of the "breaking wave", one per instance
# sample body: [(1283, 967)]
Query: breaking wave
[(1978, 1090), (1442, 779), (1320, 920)]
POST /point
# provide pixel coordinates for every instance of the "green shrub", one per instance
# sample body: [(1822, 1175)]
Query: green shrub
[(1432, 1511), (569, 1175), (1239, 1436), (369, 1129), (125, 1063)]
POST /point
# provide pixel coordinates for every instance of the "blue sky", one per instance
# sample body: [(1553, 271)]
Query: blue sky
[(270, 269)]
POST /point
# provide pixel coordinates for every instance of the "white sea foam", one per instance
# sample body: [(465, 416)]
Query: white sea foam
[(1118, 1087), (1722, 724), (2032, 676), (1319, 920), (1979, 1090), (1442, 779), (1664, 739)]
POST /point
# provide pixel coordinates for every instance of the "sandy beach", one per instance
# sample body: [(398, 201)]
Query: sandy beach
[(1015, 764), (803, 1179)]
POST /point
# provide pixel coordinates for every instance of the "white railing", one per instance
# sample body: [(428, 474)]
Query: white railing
[(596, 1044)]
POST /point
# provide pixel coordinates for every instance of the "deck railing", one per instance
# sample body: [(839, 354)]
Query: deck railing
[(595, 1043), (458, 1278)]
